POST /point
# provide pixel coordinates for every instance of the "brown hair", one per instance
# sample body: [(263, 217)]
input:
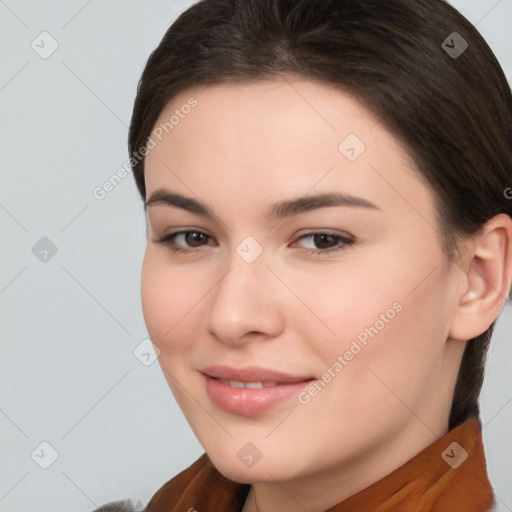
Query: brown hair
[(452, 112)]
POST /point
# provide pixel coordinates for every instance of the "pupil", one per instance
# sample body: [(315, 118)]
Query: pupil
[(322, 237), (196, 237)]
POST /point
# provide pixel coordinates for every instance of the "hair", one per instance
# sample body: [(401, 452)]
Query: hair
[(453, 114)]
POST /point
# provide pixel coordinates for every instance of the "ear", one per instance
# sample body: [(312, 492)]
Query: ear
[(487, 266)]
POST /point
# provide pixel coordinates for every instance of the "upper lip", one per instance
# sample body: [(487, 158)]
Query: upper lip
[(252, 374)]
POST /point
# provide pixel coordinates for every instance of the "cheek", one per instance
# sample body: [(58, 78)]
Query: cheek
[(168, 301), (376, 318), (155, 300), (337, 305)]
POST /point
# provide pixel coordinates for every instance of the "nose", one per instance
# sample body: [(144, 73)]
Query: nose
[(246, 303)]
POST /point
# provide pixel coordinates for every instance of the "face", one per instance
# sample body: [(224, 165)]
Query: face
[(302, 337)]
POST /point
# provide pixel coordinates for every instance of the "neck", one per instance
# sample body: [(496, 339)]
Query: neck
[(321, 490)]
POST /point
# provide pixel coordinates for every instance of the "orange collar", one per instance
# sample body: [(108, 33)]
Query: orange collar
[(440, 478)]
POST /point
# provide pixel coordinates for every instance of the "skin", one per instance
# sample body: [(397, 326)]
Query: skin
[(243, 147)]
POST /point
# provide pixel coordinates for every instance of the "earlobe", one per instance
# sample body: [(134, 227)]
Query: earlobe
[(488, 277)]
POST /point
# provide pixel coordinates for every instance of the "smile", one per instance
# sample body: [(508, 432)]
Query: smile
[(251, 390), (252, 385)]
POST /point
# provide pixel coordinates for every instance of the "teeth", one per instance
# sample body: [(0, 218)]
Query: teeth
[(254, 384), (251, 385)]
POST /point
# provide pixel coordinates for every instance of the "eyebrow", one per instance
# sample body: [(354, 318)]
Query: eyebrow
[(279, 210)]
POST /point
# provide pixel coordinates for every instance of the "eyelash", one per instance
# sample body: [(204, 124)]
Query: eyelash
[(167, 240)]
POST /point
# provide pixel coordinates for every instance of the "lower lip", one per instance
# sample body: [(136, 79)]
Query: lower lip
[(250, 401)]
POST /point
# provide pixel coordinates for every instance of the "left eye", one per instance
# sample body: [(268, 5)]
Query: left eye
[(321, 239), (169, 240), (194, 239)]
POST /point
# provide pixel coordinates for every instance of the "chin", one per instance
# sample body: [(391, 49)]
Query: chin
[(277, 466)]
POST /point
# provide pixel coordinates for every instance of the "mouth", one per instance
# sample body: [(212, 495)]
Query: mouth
[(251, 390), (251, 385)]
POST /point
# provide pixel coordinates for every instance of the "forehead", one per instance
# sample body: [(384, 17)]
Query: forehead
[(295, 105), (289, 133)]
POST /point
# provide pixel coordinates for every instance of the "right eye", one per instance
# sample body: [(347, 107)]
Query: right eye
[(191, 237)]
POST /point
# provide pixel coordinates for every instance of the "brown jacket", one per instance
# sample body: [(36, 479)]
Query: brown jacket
[(450, 475)]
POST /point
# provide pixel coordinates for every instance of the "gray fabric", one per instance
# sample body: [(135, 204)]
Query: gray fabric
[(120, 506)]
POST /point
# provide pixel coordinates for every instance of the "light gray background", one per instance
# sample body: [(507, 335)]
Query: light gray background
[(68, 373)]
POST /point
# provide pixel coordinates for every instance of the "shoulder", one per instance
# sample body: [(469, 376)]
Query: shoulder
[(200, 487), (119, 506), (169, 491), (192, 480)]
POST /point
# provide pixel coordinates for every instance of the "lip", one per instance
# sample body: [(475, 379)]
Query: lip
[(252, 374), (251, 401)]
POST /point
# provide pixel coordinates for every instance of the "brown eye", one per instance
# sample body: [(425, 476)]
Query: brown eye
[(326, 242), (194, 238), (189, 240)]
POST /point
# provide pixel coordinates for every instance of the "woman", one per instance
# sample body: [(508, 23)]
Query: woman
[(327, 187)]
